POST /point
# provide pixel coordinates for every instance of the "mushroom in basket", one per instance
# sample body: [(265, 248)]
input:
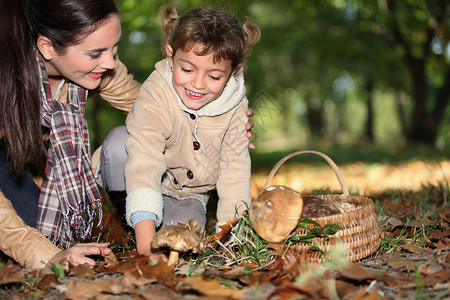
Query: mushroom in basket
[(275, 212), (178, 239)]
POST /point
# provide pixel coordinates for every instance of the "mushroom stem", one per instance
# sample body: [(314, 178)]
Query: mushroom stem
[(173, 258)]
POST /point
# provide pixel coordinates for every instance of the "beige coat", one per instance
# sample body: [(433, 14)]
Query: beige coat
[(26, 245), (179, 152)]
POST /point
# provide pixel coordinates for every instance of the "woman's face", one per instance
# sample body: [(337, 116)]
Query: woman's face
[(86, 62)]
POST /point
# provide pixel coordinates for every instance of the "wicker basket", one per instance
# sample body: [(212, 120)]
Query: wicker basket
[(360, 233)]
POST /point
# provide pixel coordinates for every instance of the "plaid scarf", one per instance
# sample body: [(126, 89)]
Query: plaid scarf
[(69, 201)]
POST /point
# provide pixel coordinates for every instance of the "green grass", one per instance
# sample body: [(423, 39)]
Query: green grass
[(342, 155), (424, 205)]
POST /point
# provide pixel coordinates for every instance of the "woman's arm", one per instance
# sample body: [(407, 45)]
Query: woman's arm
[(27, 246), (119, 88), (24, 244)]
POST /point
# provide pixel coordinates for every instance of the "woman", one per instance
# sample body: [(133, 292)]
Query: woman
[(54, 55)]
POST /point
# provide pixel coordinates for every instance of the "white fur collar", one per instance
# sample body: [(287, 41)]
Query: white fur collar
[(231, 96)]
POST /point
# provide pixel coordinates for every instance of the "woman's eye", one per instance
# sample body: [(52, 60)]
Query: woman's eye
[(95, 55)]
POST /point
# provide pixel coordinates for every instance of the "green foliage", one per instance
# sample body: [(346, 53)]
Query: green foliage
[(59, 271), (308, 76), (313, 232), (246, 246)]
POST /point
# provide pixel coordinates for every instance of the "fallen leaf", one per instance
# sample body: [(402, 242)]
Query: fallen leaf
[(439, 235), (212, 287), (11, 273), (413, 248), (363, 295), (93, 289), (83, 271), (355, 272), (344, 288), (47, 280), (226, 228), (111, 259), (402, 263)]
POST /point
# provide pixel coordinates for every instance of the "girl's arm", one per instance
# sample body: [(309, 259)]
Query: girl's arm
[(144, 231)]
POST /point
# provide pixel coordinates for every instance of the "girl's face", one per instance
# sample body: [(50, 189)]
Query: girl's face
[(85, 62), (197, 79)]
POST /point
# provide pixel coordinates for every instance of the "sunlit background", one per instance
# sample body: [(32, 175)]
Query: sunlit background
[(361, 80)]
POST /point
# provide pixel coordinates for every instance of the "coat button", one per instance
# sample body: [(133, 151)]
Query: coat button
[(189, 174), (196, 145), (192, 116)]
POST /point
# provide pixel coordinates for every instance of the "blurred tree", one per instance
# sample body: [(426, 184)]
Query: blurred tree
[(421, 30), (316, 56)]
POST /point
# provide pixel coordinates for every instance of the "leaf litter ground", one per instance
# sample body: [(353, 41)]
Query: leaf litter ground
[(413, 261)]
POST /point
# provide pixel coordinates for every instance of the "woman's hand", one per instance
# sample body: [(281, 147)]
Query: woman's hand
[(250, 124), (77, 255)]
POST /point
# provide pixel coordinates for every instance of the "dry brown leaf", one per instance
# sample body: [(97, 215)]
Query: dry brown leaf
[(344, 288), (443, 275), (363, 295), (314, 288), (290, 262), (439, 235), (226, 228), (355, 272), (412, 248), (46, 280), (11, 273), (285, 294), (82, 271), (93, 289), (279, 248), (111, 259), (402, 263), (212, 288)]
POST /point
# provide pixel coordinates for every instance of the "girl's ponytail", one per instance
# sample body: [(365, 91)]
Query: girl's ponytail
[(169, 16), (252, 35)]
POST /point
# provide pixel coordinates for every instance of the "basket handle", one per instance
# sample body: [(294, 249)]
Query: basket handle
[(335, 168)]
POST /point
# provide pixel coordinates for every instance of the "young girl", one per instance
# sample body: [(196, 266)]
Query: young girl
[(186, 128)]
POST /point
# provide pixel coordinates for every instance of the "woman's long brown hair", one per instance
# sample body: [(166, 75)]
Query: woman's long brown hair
[(65, 23)]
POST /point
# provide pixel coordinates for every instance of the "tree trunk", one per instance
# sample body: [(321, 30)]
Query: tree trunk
[(315, 120), (369, 121)]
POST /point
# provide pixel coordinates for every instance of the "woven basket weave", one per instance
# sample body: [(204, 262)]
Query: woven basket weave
[(360, 233)]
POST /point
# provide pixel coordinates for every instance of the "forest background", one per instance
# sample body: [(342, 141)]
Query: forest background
[(356, 79)]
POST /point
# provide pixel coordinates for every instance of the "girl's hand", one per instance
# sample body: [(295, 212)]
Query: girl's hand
[(250, 124), (77, 255)]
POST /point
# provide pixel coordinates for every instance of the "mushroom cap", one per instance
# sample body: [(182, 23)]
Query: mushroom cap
[(314, 207), (275, 212), (177, 238)]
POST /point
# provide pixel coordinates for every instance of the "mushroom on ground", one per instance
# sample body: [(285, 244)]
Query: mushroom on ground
[(179, 239), (275, 212), (314, 207)]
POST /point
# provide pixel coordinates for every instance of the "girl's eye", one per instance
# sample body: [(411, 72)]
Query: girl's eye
[(214, 78), (186, 70)]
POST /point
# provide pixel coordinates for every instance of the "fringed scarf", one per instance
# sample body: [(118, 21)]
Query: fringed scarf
[(69, 201)]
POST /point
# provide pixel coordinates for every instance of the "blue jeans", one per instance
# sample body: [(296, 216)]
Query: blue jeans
[(21, 191)]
